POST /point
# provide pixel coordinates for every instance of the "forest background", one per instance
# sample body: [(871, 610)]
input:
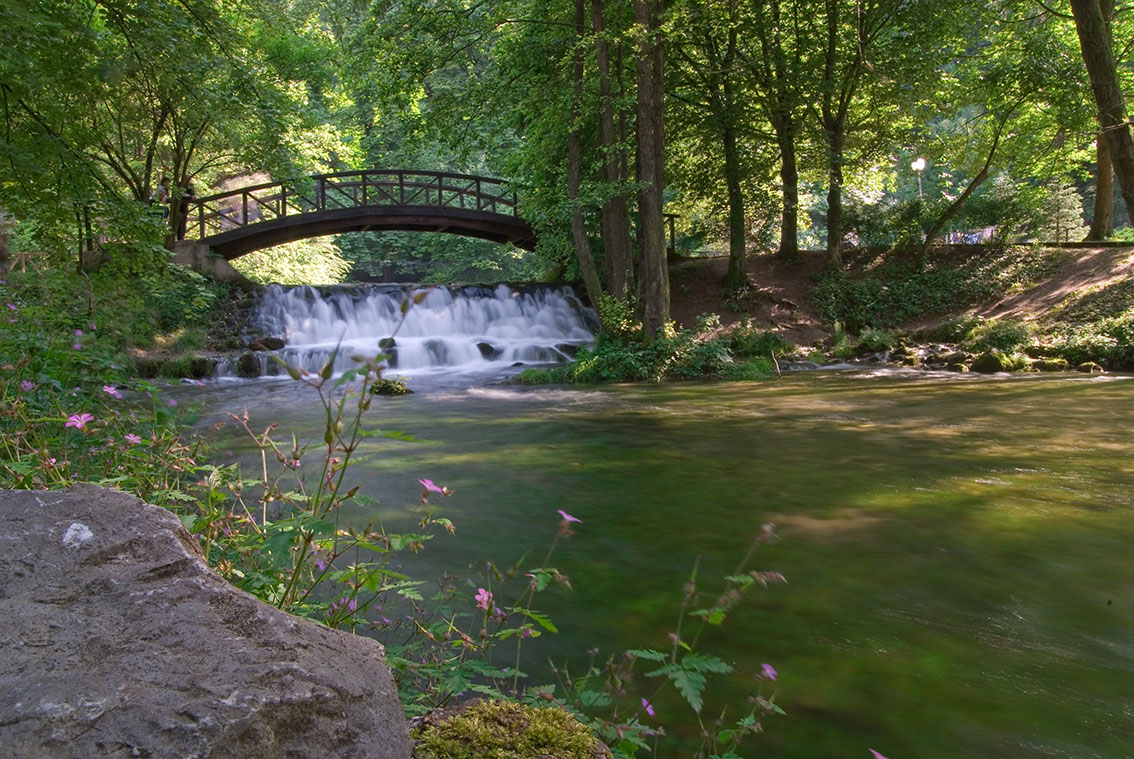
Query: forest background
[(774, 125)]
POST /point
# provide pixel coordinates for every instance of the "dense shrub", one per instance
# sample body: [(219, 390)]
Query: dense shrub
[(1001, 334), (675, 354), (874, 339), (745, 341)]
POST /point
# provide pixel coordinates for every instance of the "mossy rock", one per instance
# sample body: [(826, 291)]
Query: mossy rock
[(1051, 364), (957, 366), (1089, 367), (506, 730), (248, 365), (389, 387), (991, 362)]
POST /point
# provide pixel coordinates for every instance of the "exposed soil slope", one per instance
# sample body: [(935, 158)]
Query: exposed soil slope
[(779, 298)]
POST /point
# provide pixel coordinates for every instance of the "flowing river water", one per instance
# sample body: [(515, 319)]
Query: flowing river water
[(958, 549)]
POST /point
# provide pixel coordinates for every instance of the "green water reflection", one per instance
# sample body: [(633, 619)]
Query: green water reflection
[(958, 551)]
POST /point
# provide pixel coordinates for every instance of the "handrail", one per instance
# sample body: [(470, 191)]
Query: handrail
[(244, 206)]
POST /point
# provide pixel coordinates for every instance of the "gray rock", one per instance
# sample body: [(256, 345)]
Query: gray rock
[(116, 640), (267, 344), (488, 351)]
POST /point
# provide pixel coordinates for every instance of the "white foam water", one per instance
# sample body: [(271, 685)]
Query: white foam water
[(452, 330)]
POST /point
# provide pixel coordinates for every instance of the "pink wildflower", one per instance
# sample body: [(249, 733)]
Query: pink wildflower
[(112, 391), (27, 385), (875, 755), (430, 487), (78, 420), (565, 523), (133, 439), (768, 671), (77, 346), (14, 308), (648, 707), (483, 599), (78, 333), (171, 403)]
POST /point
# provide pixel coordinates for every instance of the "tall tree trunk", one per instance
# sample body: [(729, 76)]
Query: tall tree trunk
[(615, 216), (1098, 57), (789, 178), (574, 161), (835, 137), (653, 277), (1102, 221), (736, 277)]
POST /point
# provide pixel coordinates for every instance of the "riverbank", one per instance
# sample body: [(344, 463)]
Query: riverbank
[(1033, 304)]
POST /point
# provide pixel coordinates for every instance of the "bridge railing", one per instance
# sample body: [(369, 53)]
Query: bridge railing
[(214, 214)]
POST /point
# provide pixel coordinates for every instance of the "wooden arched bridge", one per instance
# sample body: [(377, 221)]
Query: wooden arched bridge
[(251, 218)]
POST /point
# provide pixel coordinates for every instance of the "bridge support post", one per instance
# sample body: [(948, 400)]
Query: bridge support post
[(200, 258)]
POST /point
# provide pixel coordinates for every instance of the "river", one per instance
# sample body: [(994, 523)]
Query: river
[(958, 549)]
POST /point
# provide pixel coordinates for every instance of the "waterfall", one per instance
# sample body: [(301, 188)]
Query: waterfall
[(452, 329)]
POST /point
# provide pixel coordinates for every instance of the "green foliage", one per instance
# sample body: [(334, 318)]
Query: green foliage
[(437, 258), (317, 261), (898, 291), (71, 329), (874, 339), (746, 341), (1004, 335), (534, 376), (1108, 341)]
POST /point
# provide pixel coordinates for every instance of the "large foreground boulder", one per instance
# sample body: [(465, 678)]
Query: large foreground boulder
[(116, 640)]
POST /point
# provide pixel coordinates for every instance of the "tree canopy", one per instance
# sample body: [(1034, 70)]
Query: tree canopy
[(777, 124)]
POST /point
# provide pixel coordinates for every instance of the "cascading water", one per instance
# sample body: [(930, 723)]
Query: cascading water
[(452, 330)]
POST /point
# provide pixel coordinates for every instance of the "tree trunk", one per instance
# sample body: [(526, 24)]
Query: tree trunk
[(736, 277), (1098, 57), (789, 176), (836, 138), (653, 277), (574, 160), (1102, 221), (615, 217)]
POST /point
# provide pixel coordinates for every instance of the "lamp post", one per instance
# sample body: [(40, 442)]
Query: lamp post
[(917, 165)]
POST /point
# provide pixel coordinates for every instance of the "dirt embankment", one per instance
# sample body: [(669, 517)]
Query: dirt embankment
[(779, 296)]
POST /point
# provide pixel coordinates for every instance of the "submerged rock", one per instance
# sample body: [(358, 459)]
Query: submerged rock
[(118, 640), (1051, 365)]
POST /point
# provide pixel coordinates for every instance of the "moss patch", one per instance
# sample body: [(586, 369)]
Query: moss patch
[(505, 730)]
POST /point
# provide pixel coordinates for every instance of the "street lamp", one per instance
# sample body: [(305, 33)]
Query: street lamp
[(917, 165)]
